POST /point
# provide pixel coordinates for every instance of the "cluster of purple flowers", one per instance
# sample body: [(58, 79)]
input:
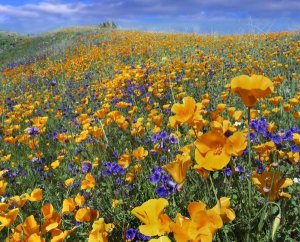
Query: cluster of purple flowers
[(260, 128), (239, 169), (38, 168), (134, 234), (74, 170), (111, 169), (164, 140), (166, 185)]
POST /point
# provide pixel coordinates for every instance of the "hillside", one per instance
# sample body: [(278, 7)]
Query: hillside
[(16, 49), (110, 135)]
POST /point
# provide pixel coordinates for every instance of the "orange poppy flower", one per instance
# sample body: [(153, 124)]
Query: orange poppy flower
[(202, 225), (36, 195), (178, 168), (124, 160), (86, 214), (89, 182), (30, 226), (270, 184), (185, 111), (251, 88), (3, 185), (223, 208), (140, 153), (213, 150), (68, 205), (60, 236), (151, 214), (6, 220), (100, 231)]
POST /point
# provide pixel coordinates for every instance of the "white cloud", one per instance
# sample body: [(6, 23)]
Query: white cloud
[(36, 10)]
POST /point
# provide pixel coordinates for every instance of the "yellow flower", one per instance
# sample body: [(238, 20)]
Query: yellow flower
[(178, 168), (223, 208), (251, 88), (100, 231), (140, 153), (184, 112), (6, 157), (68, 205), (69, 182), (151, 214), (3, 185), (52, 219), (7, 219), (213, 150), (55, 164), (89, 182), (115, 203), (202, 225), (124, 160), (161, 239), (86, 214), (36, 195)]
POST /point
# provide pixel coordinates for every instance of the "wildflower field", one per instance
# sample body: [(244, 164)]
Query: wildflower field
[(138, 136)]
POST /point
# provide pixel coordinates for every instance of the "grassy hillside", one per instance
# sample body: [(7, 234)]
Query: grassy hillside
[(16, 49)]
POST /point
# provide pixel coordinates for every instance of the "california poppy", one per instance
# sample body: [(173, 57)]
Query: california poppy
[(178, 168), (156, 222), (251, 88), (213, 150)]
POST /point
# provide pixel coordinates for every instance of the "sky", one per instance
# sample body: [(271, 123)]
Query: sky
[(200, 16)]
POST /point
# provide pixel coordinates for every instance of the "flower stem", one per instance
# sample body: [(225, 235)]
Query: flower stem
[(249, 162), (214, 189)]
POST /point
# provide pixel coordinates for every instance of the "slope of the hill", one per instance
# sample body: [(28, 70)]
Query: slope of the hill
[(17, 49)]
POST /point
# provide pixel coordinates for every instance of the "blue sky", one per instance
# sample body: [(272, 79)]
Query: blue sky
[(201, 16)]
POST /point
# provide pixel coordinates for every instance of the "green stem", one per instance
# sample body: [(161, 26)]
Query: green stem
[(214, 189), (249, 157), (250, 169)]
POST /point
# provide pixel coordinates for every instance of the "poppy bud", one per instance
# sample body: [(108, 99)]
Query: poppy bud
[(275, 226)]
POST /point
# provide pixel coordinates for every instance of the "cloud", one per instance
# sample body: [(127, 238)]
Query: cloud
[(191, 15)]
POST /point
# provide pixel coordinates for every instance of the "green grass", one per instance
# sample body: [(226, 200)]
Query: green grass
[(17, 48)]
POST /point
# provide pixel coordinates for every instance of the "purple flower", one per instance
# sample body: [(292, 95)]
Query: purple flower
[(112, 169), (276, 139), (130, 234), (115, 154), (228, 171), (163, 134), (70, 166), (33, 131), (288, 136), (252, 136), (161, 191), (142, 236), (228, 133), (295, 148), (260, 169), (173, 139), (155, 177), (53, 83), (246, 151), (154, 138), (86, 167), (165, 178), (239, 168)]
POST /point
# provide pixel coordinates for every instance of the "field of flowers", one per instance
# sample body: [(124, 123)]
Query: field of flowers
[(135, 136)]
